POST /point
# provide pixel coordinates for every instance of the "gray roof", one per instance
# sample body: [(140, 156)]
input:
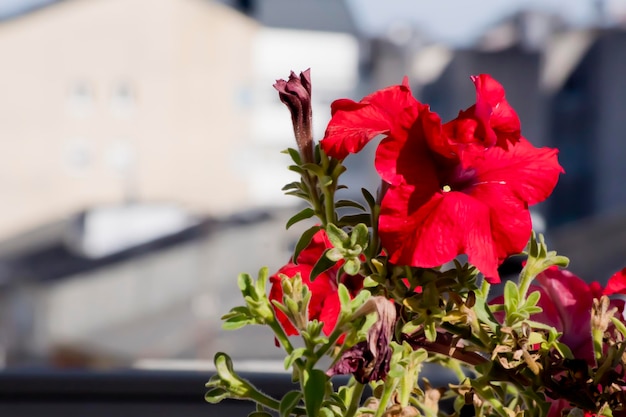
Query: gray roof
[(456, 22)]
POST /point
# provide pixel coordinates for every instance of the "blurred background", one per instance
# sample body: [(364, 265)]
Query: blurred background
[(140, 166)]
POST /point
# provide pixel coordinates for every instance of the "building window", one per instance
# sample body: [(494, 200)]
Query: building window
[(78, 156), (80, 98), (123, 99)]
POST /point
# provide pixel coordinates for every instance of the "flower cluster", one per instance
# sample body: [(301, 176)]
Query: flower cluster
[(462, 187), (381, 286)]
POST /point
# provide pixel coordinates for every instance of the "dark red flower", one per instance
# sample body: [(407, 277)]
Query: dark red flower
[(324, 305), (295, 93), (370, 359), (452, 189)]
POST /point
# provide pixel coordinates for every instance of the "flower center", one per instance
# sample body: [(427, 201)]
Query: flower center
[(458, 179)]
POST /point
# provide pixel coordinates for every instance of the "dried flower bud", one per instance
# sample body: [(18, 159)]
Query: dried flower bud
[(296, 94), (369, 360)]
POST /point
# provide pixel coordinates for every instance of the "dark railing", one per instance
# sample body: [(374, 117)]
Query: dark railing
[(132, 393)]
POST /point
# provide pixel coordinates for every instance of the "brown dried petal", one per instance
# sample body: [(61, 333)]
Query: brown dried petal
[(369, 360)]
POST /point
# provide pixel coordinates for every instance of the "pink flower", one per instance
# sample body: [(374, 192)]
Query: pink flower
[(566, 301)]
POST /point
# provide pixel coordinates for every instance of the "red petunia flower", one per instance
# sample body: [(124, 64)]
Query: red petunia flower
[(393, 111), (477, 206), (460, 188), (324, 305), (490, 122)]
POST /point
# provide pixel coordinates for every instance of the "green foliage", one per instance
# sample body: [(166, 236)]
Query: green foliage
[(289, 402), (314, 390), (257, 309)]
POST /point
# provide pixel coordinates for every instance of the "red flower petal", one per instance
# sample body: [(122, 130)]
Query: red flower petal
[(431, 234), (321, 288), (495, 112), (490, 122), (617, 283), (530, 173), (510, 220), (330, 312), (353, 124), (407, 158)]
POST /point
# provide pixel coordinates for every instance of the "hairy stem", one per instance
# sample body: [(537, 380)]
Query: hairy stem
[(355, 400)]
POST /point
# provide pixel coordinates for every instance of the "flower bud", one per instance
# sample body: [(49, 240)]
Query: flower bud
[(296, 94)]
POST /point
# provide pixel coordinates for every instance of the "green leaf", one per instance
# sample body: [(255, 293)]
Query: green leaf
[(371, 201), (561, 261), (294, 154), (511, 297), (296, 354), (244, 282), (315, 169), (337, 237), (326, 181), (325, 412), (237, 322), (304, 214), (430, 330), (314, 391), (289, 402), (349, 203), (352, 266), (484, 314), (259, 414), (619, 325), (261, 282), (304, 241), (344, 296), (532, 299), (352, 219), (532, 310), (296, 168), (216, 395), (338, 169), (360, 236), (292, 186), (321, 265)]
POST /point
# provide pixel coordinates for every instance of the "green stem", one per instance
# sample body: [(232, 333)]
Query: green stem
[(525, 278), (267, 401), (281, 336), (355, 400), (386, 397), (329, 204), (407, 382), (484, 289), (374, 246), (332, 339), (311, 182)]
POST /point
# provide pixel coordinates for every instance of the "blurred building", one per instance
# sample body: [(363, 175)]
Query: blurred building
[(139, 138), (105, 101), (132, 130)]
